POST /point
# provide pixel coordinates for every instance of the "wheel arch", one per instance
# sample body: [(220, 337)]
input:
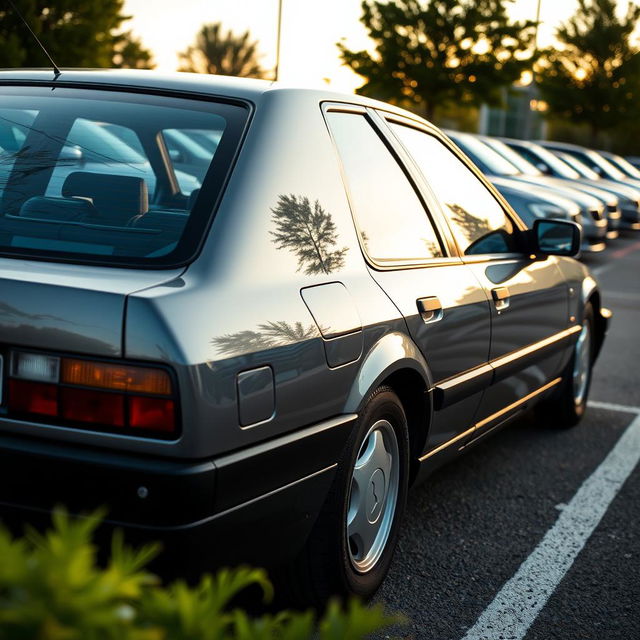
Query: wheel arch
[(395, 361)]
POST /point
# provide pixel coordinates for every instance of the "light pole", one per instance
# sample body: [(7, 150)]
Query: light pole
[(531, 93), (277, 69)]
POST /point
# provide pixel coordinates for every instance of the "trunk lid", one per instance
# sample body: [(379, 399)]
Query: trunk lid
[(69, 307)]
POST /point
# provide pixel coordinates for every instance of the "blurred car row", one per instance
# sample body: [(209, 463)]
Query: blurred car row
[(597, 189)]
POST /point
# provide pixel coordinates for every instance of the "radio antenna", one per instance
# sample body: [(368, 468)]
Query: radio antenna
[(56, 70)]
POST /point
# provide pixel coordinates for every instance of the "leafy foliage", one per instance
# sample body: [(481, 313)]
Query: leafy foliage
[(594, 78), (51, 588), (221, 53), (447, 52), (77, 33)]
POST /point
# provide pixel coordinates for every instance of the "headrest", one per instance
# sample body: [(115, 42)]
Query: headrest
[(58, 209), (117, 198)]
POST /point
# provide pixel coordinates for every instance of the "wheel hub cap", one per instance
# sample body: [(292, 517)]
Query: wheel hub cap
[(373, 495)]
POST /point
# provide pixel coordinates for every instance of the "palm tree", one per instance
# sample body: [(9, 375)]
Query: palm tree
[(222, 53)]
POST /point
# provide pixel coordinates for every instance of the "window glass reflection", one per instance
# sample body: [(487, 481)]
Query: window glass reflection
[(478, 222), (392, 222)]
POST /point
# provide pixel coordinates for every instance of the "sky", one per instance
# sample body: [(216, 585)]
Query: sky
[(310, 30)]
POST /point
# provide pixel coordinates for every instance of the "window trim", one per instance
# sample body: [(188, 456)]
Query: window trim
[(395, 263), (390, 117)]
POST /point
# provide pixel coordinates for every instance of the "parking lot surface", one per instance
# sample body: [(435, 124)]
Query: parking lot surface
[(535, 533)]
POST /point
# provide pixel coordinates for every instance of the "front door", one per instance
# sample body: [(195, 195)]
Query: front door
[(530, 325), (446, 311)]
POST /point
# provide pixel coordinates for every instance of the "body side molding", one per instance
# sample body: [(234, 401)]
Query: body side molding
[(449, 391)]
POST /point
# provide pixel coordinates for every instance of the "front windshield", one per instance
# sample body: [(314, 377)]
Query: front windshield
[(89, 175), (558, 165), (494, 162), (610, 171), (514, 158), (579, 166), (624, 165)]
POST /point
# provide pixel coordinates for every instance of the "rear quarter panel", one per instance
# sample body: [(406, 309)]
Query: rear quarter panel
[(239, 306)]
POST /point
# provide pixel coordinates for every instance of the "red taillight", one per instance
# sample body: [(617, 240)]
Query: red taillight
[(26, 396), (82, 405), (151, 413), (108, 395)]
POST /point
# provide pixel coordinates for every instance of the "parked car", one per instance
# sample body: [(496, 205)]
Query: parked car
[(593, 160), (593, 210), (259, 372), (525, 167), (569, 168), (531, 204), (621, 163)]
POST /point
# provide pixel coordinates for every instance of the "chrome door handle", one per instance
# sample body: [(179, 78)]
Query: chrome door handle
[(501, 297), (430, 309)]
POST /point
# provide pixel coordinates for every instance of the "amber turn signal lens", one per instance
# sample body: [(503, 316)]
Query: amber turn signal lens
[(117, 377)]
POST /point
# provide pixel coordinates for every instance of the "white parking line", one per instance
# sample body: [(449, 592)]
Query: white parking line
[(610, 406), (598, 271), (521, 599)]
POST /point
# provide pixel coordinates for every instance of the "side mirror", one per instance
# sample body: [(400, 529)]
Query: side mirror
[(557, 237)]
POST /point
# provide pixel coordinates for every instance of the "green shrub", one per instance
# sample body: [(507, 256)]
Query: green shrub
[(51, 588)]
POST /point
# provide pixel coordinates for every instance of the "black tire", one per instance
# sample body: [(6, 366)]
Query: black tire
[(566, 406), (328, 564)]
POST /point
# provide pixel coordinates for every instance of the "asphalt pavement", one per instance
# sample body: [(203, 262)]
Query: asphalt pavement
[(535, 533)]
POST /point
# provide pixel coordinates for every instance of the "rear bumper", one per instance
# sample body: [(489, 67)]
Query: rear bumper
[(256, 505)]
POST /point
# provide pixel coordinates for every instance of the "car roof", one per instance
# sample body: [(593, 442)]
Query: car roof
[(561, 145), (520, 141), (249, 89), (201, 83)]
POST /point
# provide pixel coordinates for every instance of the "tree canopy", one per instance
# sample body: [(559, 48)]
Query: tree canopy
[(593, 78), (77, 33), (444, 52), (221, 53)]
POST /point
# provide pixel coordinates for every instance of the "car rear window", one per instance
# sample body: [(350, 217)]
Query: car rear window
[(111, 177)]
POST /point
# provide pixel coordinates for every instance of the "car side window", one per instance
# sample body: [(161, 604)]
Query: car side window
[(478, 222), (392, 222)]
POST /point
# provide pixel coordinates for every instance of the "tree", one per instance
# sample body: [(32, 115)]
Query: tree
[(77, 33), (222, 53), (447, 52), (129, 53), (594, 77)]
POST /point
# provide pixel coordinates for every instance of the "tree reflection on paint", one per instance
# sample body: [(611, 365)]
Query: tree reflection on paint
[(309, 232), (266, 336)]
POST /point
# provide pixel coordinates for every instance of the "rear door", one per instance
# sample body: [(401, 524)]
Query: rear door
[(530, 325), (409, 256)]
